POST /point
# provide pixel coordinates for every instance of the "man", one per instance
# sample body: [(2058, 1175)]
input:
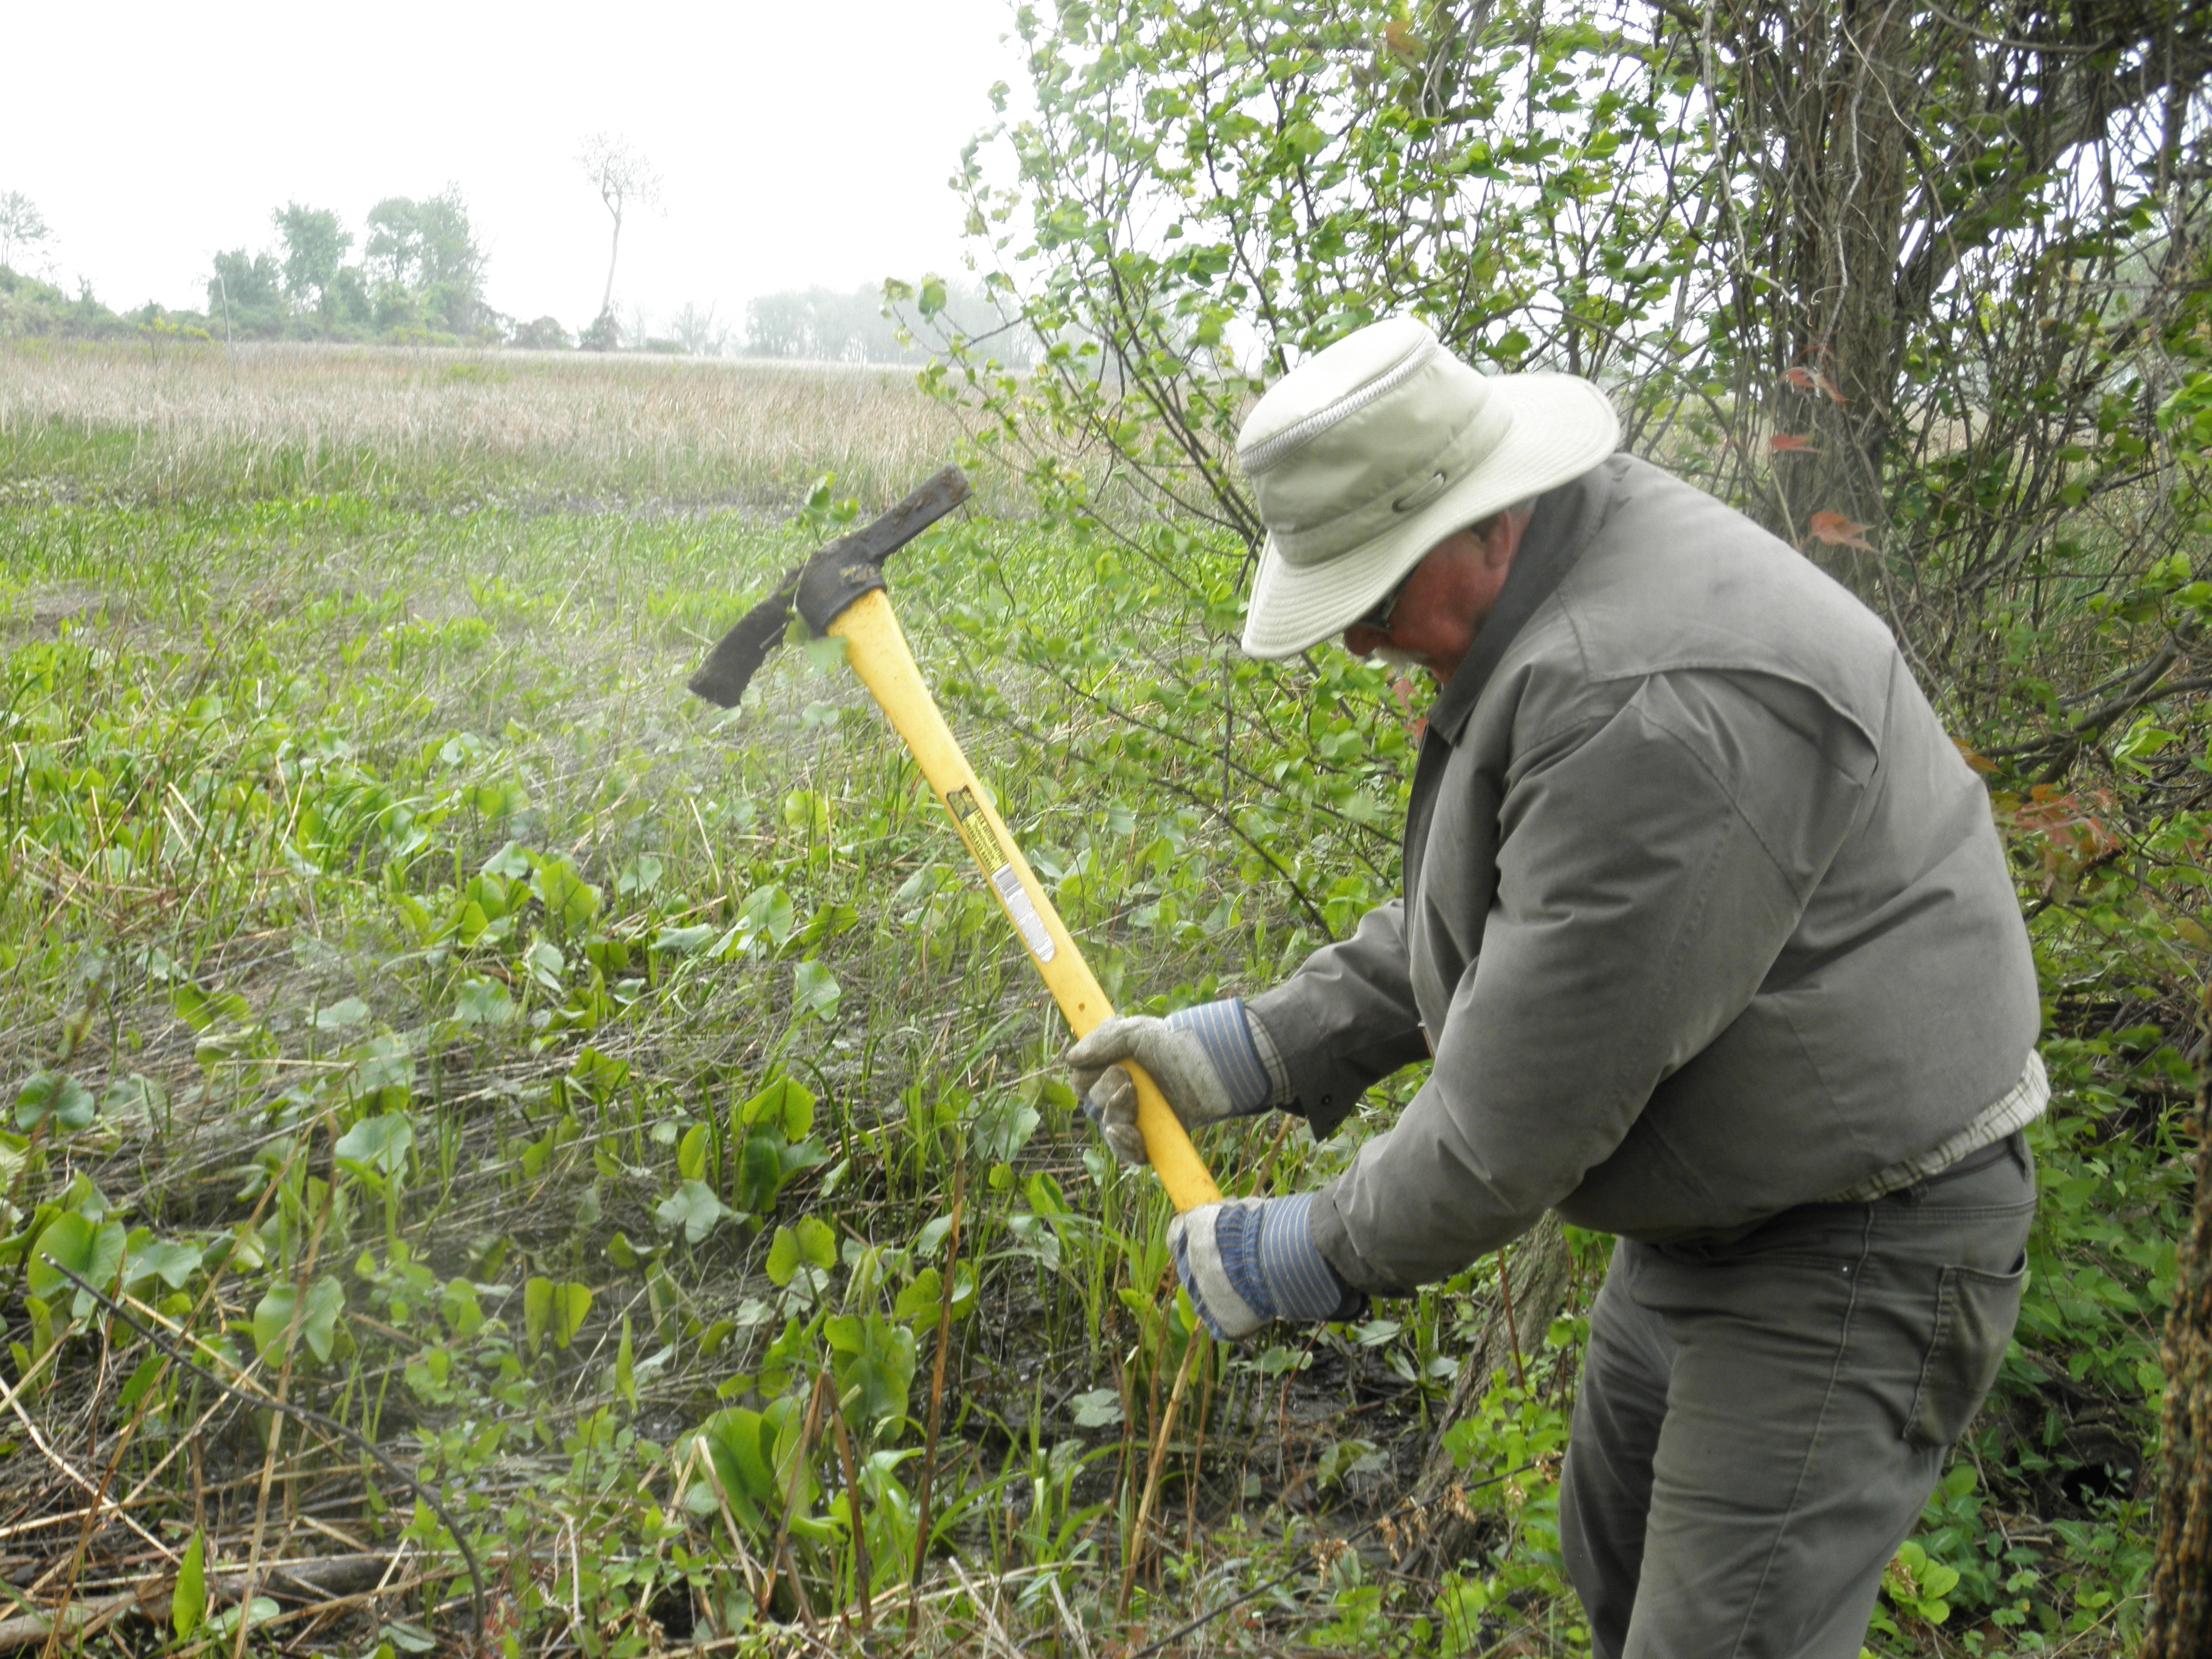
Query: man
[(1706, 926)]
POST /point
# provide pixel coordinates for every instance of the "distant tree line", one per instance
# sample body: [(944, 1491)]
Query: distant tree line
[(420, 277), (859, 326)]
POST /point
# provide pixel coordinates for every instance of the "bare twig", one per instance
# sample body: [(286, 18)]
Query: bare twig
[(304, 1414)]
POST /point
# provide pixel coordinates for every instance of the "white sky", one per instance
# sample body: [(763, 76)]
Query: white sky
[(798, 143)]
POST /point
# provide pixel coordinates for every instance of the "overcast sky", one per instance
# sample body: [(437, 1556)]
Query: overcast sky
[(798, 143)]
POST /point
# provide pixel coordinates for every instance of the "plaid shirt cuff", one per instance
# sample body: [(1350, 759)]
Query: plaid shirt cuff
[(2017, 1108)]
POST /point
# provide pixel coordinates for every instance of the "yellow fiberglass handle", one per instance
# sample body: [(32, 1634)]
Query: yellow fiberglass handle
[(877, 652)]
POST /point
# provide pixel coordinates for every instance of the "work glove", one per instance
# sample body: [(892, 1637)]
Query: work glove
[(1203, 1059), (1246, 1261)]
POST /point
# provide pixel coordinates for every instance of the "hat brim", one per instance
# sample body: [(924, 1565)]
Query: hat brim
[(1562, 426)]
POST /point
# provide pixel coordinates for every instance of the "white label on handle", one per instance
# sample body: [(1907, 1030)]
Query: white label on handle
[(1024, 912)]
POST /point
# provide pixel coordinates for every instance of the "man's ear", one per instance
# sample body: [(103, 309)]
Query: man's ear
[(1500, 537)]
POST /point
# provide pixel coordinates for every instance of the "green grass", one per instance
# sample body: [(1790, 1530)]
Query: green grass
[(556, 1079)]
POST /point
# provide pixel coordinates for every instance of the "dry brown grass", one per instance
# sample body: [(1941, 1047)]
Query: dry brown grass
[(176, 420)]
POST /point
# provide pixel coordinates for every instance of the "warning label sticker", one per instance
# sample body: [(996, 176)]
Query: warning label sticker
[(976, 830)]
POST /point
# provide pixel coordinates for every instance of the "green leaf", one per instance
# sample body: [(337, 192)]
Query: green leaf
[(740, 1446), (767, 913), (684, 941), (339, 1015), (131, 1096), (626, 1367), (56, 1096), (553, 1310), (483, 1002), (141, 1382), (785, 1103), (783, 1256), (814, 990), (917, 1302), (817, 1241), (1002, 1129), (873, 1383), (93, 1251), (171, 1261), (272, 1318), (600, 1074), (205, 1010), (691, 1152), (1096, 1409), (188, 1602), (377, 1146), (694, 1207), (568, 897), (464, 1313)]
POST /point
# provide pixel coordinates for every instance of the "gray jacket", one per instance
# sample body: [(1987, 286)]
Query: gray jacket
[(1705, 916)]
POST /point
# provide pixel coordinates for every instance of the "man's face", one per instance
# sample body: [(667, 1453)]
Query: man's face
[(1444, 599)]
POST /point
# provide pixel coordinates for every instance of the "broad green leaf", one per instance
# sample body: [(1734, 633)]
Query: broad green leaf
[(600, 1075), (817, 1241), (188, 1602), (92, 1250), (569, 898), (172, 1262), (378, 1145), (53, 1096), (684, 941), (483, 1002), (814, 990), (783, 1256), (691, 1152), (131, 1096), (463, 1313), (510, 863), (1002, 1129), (1098, 1409), (140, 1380), (694, 1207), (205, 1010), (786, 1103), (767, 913), (340, 1015), (917, 1302), (873, 1381), (553, 1310), (272, 1318)]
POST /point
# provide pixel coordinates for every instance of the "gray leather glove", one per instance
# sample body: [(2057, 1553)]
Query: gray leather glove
[(1203, 1059)]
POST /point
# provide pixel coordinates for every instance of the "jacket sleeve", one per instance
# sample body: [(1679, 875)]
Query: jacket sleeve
[(1650, 871), (1344, 1018)]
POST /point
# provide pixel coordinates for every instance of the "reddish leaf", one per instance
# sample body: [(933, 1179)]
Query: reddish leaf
[(1792, 443), (1837, 531), (1811, 380)]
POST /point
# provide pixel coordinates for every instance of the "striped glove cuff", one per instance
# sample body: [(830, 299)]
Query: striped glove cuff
[(1248, 1260), (1223, 1032)]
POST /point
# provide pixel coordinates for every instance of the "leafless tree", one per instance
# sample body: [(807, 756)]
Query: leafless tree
[(625, 179), (700, 335)]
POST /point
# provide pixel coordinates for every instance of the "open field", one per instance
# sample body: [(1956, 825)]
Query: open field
[(607, 1105), (175, 420)]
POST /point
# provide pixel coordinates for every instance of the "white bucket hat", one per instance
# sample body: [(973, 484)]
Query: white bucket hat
[(1368, 454)]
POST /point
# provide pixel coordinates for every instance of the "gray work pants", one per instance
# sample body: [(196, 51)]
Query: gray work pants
[(1759, 1422)]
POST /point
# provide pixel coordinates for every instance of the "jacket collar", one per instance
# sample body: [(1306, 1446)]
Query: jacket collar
[(1560, 527)]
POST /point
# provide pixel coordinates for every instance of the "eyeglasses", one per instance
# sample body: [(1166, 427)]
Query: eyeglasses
[(1377, 616)]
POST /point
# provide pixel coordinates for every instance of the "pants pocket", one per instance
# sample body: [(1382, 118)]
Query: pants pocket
[(1975, 1313)]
